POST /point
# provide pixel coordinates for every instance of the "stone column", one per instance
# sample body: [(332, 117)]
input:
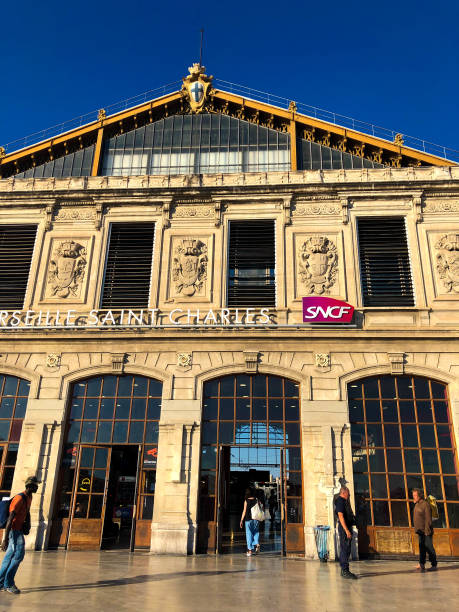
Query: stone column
[(325, 462), (174, 523), (39, 454)]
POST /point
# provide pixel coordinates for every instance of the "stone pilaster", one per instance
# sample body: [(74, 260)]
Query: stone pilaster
[(39, 454), (323, 465), (174, 523)]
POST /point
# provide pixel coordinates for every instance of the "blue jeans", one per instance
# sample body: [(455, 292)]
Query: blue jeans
[(252, 533), (12, 559)]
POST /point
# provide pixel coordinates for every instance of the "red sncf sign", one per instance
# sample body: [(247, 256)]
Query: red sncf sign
[(326, 310)]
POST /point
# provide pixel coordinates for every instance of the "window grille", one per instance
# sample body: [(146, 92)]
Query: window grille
[(251, 273), (128, 266), (16, 250), (384, 262)]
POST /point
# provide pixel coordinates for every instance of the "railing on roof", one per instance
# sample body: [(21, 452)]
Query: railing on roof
[(247, 92), (72, 124), (341, 120)]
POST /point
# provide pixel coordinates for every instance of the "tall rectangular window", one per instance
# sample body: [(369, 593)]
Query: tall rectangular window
[(385, 262), (16, 250), (128, 266), (251, 273)]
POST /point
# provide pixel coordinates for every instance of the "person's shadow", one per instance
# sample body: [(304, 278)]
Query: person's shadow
[(410, 571), (132, 580)]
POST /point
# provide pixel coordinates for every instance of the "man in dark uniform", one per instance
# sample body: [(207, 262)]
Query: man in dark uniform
[(345, 522)]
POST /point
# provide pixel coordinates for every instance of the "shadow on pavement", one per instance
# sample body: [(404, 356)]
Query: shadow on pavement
[(410, 571), (133, 580)]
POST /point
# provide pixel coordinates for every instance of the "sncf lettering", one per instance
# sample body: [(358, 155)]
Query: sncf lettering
[(331, 312)]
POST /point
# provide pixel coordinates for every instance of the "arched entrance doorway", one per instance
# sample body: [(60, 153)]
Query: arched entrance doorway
[(402, 438), (108, 469), (251, 436)]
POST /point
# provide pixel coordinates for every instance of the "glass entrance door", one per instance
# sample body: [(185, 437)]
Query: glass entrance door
[(257, 417), (89, 499), (261, 469)]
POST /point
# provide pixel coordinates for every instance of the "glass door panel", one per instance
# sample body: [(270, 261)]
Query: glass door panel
[(89, 497), (292, 504)]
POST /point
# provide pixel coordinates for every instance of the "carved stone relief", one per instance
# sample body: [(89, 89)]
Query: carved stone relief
[(441, 207), (66, 270), (310, 210), (448, 261), (75, 214), (181, 212), (318, 264), (189, 267)]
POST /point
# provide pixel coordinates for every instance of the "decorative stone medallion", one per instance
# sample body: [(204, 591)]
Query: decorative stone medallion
[(53, 360), (322, 360), (184, 360)]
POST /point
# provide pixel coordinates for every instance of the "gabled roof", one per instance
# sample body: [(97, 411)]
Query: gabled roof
[(298, 125)]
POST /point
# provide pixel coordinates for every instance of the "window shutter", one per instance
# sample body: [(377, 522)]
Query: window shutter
[(384, 262), (251, 279), (128, 267), (16, 250)]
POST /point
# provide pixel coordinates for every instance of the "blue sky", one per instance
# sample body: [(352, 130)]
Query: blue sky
[(394, 64)]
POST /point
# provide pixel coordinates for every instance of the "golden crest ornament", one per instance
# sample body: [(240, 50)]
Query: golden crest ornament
[(196, 87)]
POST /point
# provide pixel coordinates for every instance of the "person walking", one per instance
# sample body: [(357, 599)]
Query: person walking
[(422, 523), (345, 522), (252, 527), (272, 503), (13, 543)]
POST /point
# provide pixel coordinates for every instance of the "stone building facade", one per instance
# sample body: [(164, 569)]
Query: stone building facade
[(188, 336)]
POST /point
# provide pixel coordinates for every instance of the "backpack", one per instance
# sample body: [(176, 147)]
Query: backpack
[(5, 510), (433, 507)]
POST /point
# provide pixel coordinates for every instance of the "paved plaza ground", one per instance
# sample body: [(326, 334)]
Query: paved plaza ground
[(86, 581)]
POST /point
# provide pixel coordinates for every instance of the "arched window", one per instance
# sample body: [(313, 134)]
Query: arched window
[(14, 393), (113, 423), (402, 438)]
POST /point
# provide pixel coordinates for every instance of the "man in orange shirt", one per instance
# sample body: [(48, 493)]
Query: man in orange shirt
[(13, 543)]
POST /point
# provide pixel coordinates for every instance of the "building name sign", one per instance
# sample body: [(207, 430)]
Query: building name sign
[(315, 310), (326, 310), (151, 317)]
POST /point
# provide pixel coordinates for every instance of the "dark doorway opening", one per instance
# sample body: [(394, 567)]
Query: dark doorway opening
[(250, 467), (120, 501)]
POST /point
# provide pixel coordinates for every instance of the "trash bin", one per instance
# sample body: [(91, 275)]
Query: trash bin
[(321, 534)]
